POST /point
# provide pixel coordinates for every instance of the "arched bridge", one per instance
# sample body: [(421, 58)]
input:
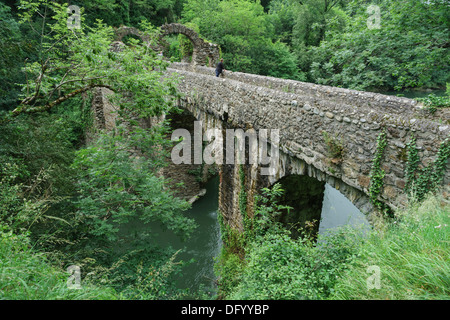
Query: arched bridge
[(310, 118), (326, 134)]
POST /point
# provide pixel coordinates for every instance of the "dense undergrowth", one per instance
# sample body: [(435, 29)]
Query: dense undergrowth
[(410, 251)]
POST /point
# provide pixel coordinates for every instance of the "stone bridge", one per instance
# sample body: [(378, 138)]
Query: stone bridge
[(303, 112), (311, 119)]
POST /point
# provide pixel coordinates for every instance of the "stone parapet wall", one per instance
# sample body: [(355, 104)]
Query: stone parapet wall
[(340, 100), (303, 112)]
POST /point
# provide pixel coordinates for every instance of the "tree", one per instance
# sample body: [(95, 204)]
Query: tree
[(312, 20), (106, 186), (73, 61), (245, 34), (14, 51), (409, 50)]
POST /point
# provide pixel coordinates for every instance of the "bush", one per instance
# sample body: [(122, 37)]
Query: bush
[(408, 51), (282, 268)]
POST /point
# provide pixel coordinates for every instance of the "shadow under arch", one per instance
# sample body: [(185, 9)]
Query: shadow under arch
[(317, 207), (305, 196)]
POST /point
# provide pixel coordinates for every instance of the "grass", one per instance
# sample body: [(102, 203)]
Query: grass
[(413, 254), (27, 275)]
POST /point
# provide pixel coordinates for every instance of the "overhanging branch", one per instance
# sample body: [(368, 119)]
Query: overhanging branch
[(22, 109)]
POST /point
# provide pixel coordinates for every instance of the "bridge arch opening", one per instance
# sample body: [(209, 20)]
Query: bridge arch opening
[(126, 39), (178, 48), (203, 52), (317, 207), (182, 162), (305, 196), (124, 33)]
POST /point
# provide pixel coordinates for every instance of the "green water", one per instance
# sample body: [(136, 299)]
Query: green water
[(338, 211), (202, 247)]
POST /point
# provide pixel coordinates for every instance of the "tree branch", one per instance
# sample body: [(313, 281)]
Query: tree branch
[(23, 110), (38, 82)]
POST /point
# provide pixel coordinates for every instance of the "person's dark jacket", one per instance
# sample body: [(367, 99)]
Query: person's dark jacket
[(220, 67)]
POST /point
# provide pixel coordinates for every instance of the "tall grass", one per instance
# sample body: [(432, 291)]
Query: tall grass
[(26, 275), (413, 254)]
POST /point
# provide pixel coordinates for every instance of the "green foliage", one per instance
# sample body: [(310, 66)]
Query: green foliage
[(267, 212), (412, 254), (16, 211), (376, 173), (230, 264), (15, 49), (36, 155), (77, 204), (58, 76), (282, 15), (410, 251), (407, 51), (229, 268), (335, 146), (114, 189), (313, 19), (281, 268), (277, 266), (131, 12), (433, 102), (245, 35), (425, 179), (28, 275), (232, 260)]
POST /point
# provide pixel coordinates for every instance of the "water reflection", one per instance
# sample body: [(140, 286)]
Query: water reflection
[(338, 211), (204, 244)]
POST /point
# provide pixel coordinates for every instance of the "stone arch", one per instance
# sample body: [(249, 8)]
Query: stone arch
[(124, 31), (205, 53)]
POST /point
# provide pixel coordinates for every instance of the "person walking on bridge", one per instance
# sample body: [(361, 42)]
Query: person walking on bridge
[(220, 68)]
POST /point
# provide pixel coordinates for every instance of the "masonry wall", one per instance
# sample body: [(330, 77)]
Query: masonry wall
[(302, 111)]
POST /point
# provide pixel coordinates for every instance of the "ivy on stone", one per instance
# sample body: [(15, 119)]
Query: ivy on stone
[(377, 173), (421, 181)]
